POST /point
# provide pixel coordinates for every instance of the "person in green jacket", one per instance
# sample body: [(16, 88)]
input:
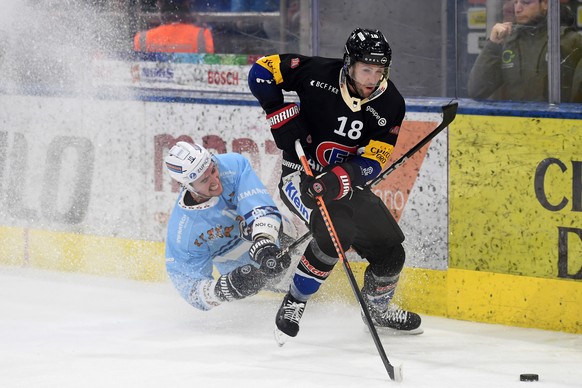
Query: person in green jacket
[(577, 84), (513, 64)]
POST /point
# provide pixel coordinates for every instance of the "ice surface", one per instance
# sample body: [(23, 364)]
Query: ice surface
[(71, 330)]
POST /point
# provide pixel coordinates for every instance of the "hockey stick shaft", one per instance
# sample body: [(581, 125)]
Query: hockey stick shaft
[(293, 245), (449, 114), (342, 256)]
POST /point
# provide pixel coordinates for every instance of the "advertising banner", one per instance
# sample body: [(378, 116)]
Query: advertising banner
[(95, 168), (516, 196)]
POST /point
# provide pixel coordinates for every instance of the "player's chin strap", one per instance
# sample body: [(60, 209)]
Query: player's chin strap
[(196, 195), (394, 373), (355, 103)]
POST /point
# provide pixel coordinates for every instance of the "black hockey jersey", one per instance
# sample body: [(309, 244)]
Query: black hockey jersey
[(342, 128)]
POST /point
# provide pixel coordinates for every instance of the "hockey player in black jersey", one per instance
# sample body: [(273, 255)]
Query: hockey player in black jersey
[(348, 120)]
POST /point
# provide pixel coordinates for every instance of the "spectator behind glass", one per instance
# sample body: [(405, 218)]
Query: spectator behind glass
[(577, 84), (252, 33), (176, 34), (513, 64)]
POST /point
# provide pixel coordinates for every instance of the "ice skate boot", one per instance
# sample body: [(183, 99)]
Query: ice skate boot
[(378, 292), (288, 317), (397, 319)]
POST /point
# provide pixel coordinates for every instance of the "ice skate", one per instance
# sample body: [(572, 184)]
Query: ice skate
[(378, 292), (395, 320), (288, 317)]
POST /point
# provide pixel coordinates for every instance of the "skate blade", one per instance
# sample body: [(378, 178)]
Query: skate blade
[(280, 337), (389, 331)]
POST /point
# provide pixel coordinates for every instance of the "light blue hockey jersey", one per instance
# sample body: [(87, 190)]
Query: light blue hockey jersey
[(216, 233)]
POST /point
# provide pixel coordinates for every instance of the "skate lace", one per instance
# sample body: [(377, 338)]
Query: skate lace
[(395, 315), (294, 311)]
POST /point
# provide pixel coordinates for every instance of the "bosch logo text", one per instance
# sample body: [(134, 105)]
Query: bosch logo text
[(222, 77)]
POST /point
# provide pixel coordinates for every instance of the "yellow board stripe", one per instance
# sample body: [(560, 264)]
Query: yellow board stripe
[(524, 301), (106, 256), (487, 297), (513, 300)]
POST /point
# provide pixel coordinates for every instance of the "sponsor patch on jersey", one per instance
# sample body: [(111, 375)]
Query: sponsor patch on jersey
[(378, 151), (381, 120), (324, 85), (291, 191), (273, 64), (329, 152), (294, 62), (252, 192)]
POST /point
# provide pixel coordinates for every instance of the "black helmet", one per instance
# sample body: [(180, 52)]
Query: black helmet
[(368, 46)]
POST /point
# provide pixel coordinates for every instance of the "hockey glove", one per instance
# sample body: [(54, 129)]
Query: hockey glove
[(331, 185), (265, 253), (286, 126), (240, 283)]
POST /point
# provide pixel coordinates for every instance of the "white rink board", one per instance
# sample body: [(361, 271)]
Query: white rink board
[(94, 167)]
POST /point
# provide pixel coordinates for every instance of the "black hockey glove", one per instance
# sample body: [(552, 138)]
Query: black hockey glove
[(330, 185), (286, 126), (240, 283), (265, 253)]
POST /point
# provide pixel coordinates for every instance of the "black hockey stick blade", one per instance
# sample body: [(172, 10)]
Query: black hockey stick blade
[(449, 114)]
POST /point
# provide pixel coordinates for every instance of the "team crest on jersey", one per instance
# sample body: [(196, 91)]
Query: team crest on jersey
[(294, 63), (330, 152)]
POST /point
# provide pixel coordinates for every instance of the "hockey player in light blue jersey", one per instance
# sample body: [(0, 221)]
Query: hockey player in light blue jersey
[(225, 218)]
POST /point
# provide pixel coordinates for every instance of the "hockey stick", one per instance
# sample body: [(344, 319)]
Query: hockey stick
[(449, 114), (293, 245), (394, 373)]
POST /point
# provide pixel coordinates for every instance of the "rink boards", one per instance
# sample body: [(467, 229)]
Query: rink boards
[(491, 209)]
